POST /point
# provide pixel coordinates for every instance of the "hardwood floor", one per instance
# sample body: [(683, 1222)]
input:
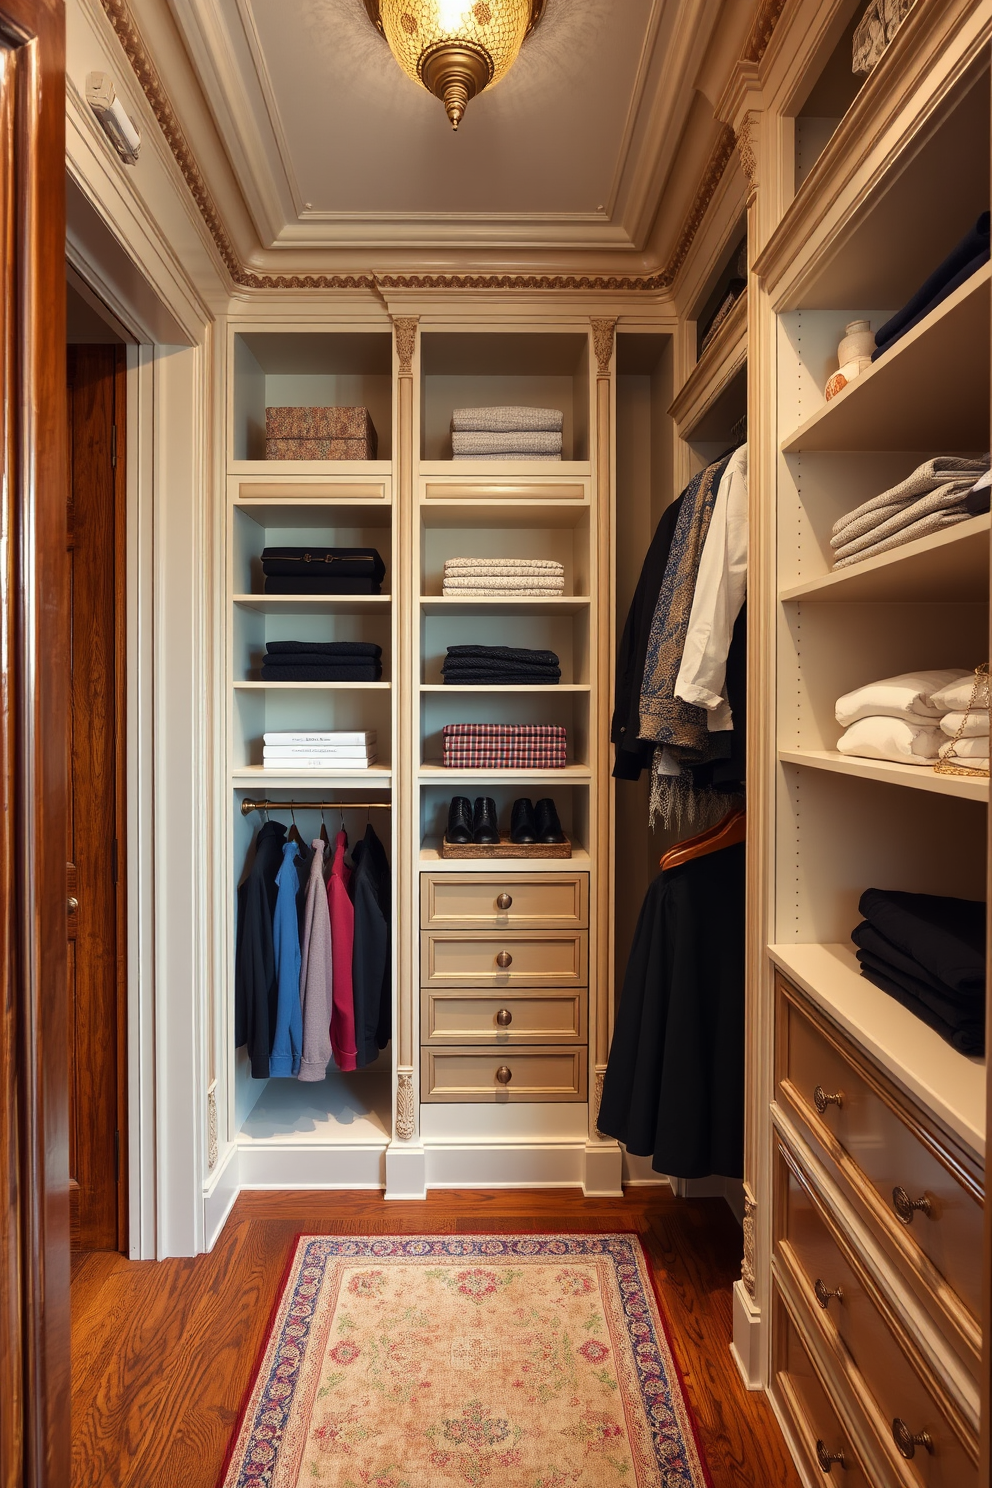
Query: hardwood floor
[(164, 1351)]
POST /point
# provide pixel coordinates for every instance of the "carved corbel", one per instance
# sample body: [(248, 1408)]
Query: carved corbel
[(603, 332), (406, 1116), (405, 329), (747, 1265)]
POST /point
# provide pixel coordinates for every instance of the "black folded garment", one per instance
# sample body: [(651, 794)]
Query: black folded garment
[(978, 501), (519, 655), (319, 584), (945, 935), (965, 259), (322, 648), (349, 563), (878, 946), (968, 1037), (366, 672), (508, 678)]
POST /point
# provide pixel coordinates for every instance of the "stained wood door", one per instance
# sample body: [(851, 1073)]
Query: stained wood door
[(34, 1178), (95, 390)]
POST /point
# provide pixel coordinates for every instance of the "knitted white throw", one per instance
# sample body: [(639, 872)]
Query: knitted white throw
[(506, 419), (496, 564), (521, 585), (536, 442), (509, 455)]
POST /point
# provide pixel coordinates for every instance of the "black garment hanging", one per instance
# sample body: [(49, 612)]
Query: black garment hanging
[(255, 981), (674, 1084), (633, 755), (370, 891)]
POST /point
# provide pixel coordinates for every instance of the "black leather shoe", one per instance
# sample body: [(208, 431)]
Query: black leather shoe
[(548, 825), (485, 827), (459, 820), (523, 827)]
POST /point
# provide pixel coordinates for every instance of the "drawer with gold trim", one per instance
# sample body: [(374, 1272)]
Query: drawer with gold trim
[(516, 958), (824, 1442), (482, 901), (512, 1017), (503, 1075), (921, 1194)]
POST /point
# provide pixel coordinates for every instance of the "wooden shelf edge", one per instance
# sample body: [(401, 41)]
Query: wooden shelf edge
[(715, 370), (888, 564), (915, 777), (949, 1084)]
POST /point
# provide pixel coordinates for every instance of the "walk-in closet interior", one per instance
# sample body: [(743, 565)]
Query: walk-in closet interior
[(551, 570)]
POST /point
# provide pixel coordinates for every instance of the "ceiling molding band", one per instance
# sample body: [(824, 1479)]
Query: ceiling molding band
[(119, 14)]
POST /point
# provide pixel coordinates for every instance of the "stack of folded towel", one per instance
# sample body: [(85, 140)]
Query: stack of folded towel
[(928, 952), (965, 720), (935, 495), (898, 718), (500, 666), (963, 260), (503, 746), (322, 661), (506, 433), (539, 578)]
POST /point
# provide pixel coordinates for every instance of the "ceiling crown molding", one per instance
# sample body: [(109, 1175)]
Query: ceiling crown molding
[(119, 14)]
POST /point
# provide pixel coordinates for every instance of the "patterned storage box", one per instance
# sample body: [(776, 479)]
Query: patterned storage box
[(319, 434)]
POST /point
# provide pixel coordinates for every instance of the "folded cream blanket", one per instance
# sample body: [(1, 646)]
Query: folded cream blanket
[(925, 478), (495, 564), (510, 455), (882, 524), (934, 522), (970, 724), (506, 419), (495, 585), (976, 747), (892, 739), (534, 442), (909, 696), (956, 696)]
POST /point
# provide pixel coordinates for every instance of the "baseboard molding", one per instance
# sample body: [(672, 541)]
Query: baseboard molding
[(511, 1165), (603, 1171), (747, 1348), (219, 1196), (281, 1165), (639, 1172), (406, 1171)]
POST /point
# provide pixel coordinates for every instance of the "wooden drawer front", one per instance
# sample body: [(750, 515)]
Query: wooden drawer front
[(538, 958), (523, 489), (552, 901), (477, 1018), (810, 1249), (884, 1138), (471, 1075), (816, 1422)]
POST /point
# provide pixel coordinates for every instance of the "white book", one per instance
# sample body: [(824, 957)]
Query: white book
[(334, 736), (344, 767), (306, 751)]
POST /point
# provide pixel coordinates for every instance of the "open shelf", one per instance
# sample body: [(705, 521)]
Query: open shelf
[(949, 565), (430, 858), (352, 1109), (518, 604), (312, 604), (374, 776), (433, 774), (315, 512), (950, 1084), (930, 390), (917, 777), (479, 687), (313, 686), (492, 469)]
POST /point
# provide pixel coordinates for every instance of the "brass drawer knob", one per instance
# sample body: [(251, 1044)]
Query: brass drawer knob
[(908, 1441), (504, 1074), (72, 905), (822, 1100), (504, 901), (906, 1207), (503, 960), (824, 1293), (827, 1459), (504, 1017)]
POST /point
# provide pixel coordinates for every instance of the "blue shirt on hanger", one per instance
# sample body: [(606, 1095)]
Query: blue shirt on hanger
[(287, 1044)]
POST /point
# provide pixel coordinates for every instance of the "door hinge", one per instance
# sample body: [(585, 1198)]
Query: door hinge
[(113, 446), (117, 1157)]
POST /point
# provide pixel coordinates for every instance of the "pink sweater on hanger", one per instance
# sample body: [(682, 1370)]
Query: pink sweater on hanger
[(342, 913)]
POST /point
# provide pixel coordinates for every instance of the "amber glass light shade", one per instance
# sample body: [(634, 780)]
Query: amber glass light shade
[(455, 48)]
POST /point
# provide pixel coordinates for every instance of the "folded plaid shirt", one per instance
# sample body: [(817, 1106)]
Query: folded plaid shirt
[(500, 746)]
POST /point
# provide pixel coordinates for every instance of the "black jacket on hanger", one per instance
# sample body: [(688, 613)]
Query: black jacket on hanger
[(370, 891), (255, 982), (633, 756), (674, 1084)]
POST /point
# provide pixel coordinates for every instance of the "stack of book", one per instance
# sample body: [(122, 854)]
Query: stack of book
[(345, 750)]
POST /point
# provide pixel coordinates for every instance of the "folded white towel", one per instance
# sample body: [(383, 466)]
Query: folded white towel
[(976, 747), (956, 696), (909, 695), (506, 419), (495, 564), (926, 477), (970, 724), (524, 442), (892, 739)]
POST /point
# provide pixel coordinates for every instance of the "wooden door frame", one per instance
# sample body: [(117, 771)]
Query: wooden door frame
[(34, 1178), (120, 785)]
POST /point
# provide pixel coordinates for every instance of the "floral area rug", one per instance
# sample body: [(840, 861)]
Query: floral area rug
[(497, 1361)]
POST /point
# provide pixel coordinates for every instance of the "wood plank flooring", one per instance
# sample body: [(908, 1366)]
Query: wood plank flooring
[(164, 1352)]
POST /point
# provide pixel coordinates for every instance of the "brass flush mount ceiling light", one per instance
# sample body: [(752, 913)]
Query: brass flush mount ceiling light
[(455, 48)]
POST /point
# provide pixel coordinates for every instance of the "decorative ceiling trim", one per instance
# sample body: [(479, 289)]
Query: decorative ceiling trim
[(119, 14)]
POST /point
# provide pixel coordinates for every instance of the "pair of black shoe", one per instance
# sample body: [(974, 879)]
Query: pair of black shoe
[(528, 823)]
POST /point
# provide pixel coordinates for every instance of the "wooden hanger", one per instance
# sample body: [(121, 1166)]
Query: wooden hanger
[(323, 829), (294, 834), (727, 833)]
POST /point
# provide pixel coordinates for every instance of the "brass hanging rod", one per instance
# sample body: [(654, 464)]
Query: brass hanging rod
[(247, 807)]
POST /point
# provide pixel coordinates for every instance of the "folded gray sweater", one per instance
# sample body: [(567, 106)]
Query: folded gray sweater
[(945, 498), (506, 419), (927, 477)]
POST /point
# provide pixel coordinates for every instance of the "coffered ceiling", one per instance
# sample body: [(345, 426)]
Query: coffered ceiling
[(340, 159)]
